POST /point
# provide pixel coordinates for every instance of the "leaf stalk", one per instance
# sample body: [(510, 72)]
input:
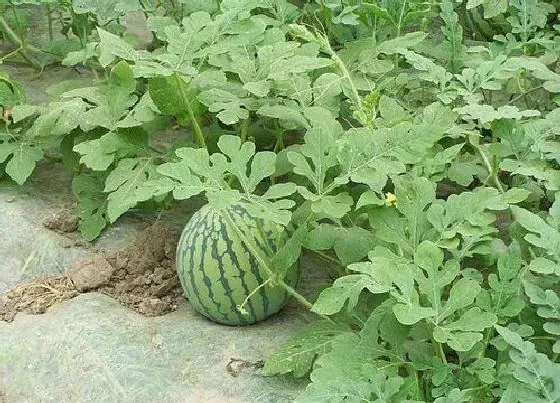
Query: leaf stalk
[(198, 136), (491, 171)]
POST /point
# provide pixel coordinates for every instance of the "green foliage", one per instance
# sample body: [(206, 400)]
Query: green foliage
[(419, 161), (533, 377)]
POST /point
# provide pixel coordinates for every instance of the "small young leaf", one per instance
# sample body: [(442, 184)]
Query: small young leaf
[(92, 204), (111, 47)]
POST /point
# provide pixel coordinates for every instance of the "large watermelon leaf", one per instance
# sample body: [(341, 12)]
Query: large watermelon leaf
[(198, 172)]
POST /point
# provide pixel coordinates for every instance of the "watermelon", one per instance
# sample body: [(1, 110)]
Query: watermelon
[(218, 271)]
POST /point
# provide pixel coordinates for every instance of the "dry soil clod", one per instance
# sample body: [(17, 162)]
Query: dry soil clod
[(64, 221), (91, 273), (145, 278)]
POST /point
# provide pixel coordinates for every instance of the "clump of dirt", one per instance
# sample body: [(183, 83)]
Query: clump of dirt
[(64, 221), (91, 273), (145, 278), (35, 297), (141, 276)]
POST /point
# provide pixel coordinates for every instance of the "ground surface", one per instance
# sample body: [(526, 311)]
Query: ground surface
[(92, 344), (92, 349)]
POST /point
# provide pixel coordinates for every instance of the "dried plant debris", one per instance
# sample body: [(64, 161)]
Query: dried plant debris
[(35, 297), (236, 367)]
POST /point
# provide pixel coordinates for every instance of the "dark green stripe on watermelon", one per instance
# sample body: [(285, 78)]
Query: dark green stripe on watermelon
[(218, 271), (224, 277), (233, 256), (208, 228), (259, 278), (243, 217), (189, 238)]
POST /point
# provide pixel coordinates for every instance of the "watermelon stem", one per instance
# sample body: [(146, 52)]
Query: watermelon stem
[(244, 130), (300, 298), (241, 308), (273, 277), (335, 265)]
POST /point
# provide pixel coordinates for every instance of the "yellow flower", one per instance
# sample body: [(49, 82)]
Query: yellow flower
[(390, 199)]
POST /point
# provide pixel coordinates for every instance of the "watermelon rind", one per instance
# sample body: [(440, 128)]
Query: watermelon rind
[(218, 271)]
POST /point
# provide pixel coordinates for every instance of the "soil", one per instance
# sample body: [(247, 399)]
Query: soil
[(63, 221), (66, 223), (141, 276), (144, 276)]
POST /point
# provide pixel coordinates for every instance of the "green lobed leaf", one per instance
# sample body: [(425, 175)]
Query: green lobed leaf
[(131, 182), (22, 162), (534, 374), (92, 204), (100, 153), (541, 234), (298, 354)]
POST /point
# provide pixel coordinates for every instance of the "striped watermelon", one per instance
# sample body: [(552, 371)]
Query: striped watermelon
[(218, 272)]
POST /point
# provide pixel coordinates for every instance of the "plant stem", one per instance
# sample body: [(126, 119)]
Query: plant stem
[(198, 136), (279, 133), (16, 40), (8, 55), (489, 334), (244, 130), (399, 24), (18, 27), (144, 8), (300, 298), (329, 259), (83, 36), (346, 74), (399, 27), (50, 22), (548, 338), (242, 306), (469, 21), (326, 257), (491, 171), (420, 392), (264, 264), (441, 352), (524, 94)]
